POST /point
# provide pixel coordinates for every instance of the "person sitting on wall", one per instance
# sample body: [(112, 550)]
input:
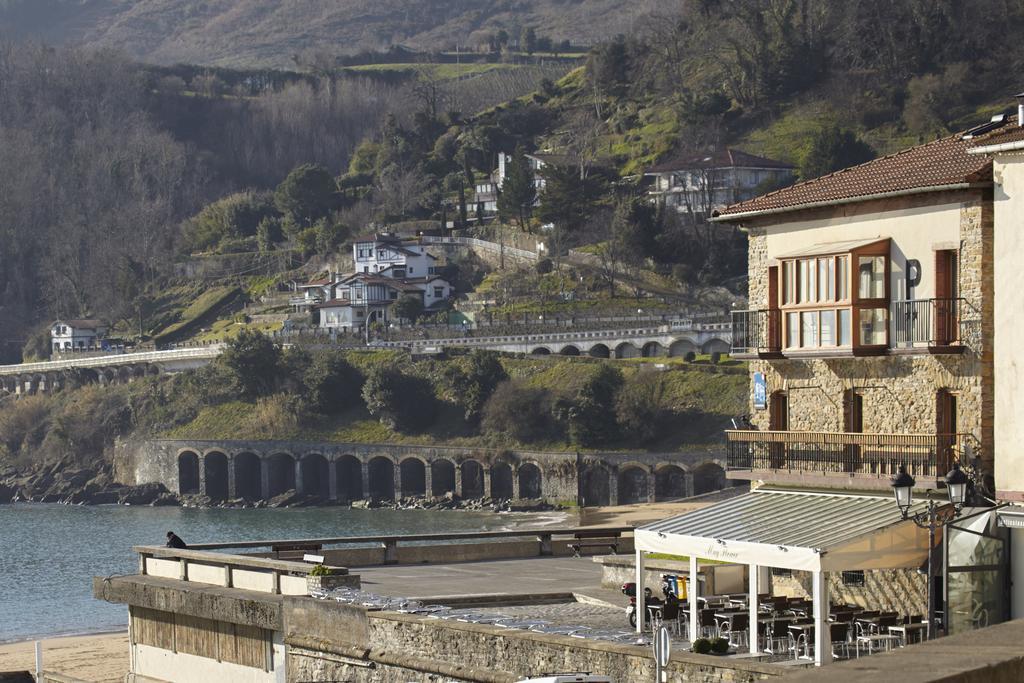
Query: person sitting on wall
[(174, 541)]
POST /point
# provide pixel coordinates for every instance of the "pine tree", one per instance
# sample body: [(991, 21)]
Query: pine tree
[(518, 191)]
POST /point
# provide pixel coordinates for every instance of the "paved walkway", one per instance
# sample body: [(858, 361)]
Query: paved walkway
[(533, 575)]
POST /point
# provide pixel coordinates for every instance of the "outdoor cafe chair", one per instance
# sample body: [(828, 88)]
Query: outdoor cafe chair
[(839, 635), (735, 629), (708, 625), (775, 635)]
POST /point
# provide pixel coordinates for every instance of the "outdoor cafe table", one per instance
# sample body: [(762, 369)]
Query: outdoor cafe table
[(904, 632), (880, 641), (803, 629)]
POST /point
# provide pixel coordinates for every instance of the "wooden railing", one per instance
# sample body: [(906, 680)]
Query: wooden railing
[(836, 453)]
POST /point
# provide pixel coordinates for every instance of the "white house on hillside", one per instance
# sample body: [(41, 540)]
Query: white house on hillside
[(402, 258), (77, 335), (702, 184), (487, 190), (366, 298)]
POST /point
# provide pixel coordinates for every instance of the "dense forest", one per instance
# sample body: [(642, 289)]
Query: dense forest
[(112, 170)]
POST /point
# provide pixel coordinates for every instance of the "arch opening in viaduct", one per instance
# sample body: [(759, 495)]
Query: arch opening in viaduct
[(382, 479), (316, 478), (652, 350), (188, 473), (599, 351), (679, 349), (594, 486), (569, 350), (530, 481), (708, 477), (669, 483), (349, 472), (414, 477), (627, 350), (280, 474), (248, 479), (472, 479), (442, 477), (215, 469), (501, 481), (632, 486), (541, 351)]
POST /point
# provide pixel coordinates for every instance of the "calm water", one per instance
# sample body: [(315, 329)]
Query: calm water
[(49, 553)]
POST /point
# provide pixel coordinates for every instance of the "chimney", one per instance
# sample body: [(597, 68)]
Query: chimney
[(1020, 108)]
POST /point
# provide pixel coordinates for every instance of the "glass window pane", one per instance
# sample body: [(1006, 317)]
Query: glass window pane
[(824, 293), (805, 294), (792, 330), (831, 287), (787, 284), (844, 327), (871, 277), (872, 327), (809, 325), (828, 326), (842, 281)]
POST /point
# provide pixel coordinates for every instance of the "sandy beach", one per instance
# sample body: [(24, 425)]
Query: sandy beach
[(101, 658)]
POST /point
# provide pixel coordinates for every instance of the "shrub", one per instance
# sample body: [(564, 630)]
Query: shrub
[(470, 382), (588, 415), (409, 307), (702, 646), (690, 357), (716, 357), (720, 646), (254, 362), (521, 412), (544, 266), (331, 384), (638, 407), (401, 402)]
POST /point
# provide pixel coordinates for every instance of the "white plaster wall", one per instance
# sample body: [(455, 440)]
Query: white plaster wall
[(206, 573), (167, 569), (915, 233), (164, 665), (294, 585), (1009, 327), (253, 580)]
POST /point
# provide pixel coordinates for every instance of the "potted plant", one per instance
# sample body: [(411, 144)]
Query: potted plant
[(719, 646), (702, 646), (325, 578)]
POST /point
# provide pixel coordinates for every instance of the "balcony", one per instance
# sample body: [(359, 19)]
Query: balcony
[(916, 325), (757, 333), (841, 458), (935, 324)]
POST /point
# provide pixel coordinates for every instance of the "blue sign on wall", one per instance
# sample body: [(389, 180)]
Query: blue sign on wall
[(760, 391)]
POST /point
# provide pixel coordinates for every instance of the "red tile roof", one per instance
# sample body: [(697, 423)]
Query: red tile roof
[(1001, 135), (926, 167), (721, 158)]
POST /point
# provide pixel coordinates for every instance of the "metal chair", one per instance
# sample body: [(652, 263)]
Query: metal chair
[(839, 635)]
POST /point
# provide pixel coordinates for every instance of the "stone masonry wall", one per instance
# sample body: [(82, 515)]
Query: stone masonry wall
[(899, 590), (899, 389), (505, 656)]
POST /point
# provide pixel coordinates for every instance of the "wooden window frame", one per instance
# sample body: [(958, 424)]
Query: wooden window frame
[(790, 287)]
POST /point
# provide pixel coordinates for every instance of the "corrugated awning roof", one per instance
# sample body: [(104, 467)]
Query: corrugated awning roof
[(794, 530), (831, 248)]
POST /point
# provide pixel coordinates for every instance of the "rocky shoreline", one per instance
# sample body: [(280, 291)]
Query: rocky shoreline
[(68, 484)]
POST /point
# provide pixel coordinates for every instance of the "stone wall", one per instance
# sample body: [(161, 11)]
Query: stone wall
[(890, 590), (413, 648)]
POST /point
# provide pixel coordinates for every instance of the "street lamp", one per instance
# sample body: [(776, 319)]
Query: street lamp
[(934, 517)]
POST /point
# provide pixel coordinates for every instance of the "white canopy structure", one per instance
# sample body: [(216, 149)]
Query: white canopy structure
[(798, 530)]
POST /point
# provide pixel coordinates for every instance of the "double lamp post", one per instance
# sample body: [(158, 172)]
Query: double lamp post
[(934, 517)]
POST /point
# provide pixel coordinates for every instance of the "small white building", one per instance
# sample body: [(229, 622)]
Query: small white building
[(487, 191), (702, 184), (368, 297), (77, 335), (401, 258)]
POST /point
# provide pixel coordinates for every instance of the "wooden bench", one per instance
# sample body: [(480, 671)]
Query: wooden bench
[(294, 550), (601, 539)]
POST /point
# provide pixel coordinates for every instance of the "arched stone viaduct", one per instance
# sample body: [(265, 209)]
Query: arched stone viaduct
[(259, 470), (30, 378), (662, 341)]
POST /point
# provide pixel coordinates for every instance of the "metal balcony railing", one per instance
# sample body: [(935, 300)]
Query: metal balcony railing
[(824, 453), (756, 332), (926, 322)]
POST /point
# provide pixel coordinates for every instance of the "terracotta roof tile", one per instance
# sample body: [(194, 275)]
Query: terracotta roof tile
[(1001, 135), (934, 164)]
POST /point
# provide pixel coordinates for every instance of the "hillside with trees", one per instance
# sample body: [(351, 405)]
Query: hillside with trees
[(248, 33), (120, 178)]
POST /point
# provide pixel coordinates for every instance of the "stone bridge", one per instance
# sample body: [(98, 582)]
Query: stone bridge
[(28, 378), (260, 470), (676, 339)]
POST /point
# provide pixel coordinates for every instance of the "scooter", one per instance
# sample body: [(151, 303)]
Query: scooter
[(670, 602)]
